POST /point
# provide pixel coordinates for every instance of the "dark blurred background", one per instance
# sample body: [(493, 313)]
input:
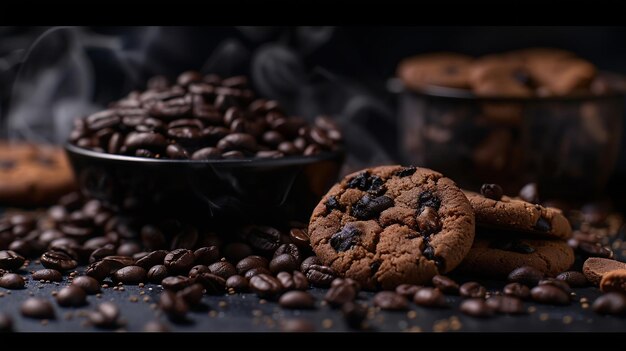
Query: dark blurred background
[(48, 76)]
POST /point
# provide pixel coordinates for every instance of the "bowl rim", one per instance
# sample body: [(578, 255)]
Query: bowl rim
[(247, 162)]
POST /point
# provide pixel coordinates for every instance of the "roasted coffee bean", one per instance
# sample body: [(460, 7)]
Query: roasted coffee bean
[(131, 275), (557, 283), (251, 262), (345, 239), (101, 253), (155, 327), (407, 290), (254, 271), (128, 249), (90, 285), (297, 300), (573, 279), (174, 306), (283, 263), (506, 304), (197, 270), (119, 262), (99, 270), (290, 249), (179, 261), (152, 259), (472, 289), (530, 193), (106, 315), (339, 294), (476, 307), (347, 281), (176, 283), (549, 294), (308, 262), (58, 260), (157, 273), (445, 284), (389, 300), (206, 255), (354, 314), (369, 207), (265, 286), (223, 269), (175, 151), (214, 284), (517, 290), (594, 250), (71, 296), (293, 281), (238, 283), (610, 303), (491, 191), (296, 325), (237, 142), (37, 308), (48, 274), (192, 294), (262, 237), (12, 281), (300, 237), (6, 323), (429, 297), (320, 275), (10, 260), (235, 252), (525, 275)]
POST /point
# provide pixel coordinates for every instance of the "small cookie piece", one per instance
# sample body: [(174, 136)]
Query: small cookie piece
[(392, 225), (614, 281), (440, 69), (33, 174), (595, 268), (498, 255), (518, 215)]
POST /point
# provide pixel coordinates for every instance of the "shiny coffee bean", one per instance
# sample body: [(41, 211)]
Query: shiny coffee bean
[(197, 270), (517, 290), (237, 283), (549, 294), (47, 274), (254, 271), (90, 285), (557, 283), (525, 275), (445, 284), (265, 286), (157, 273), (283, 263), (389, 300), (320, 275), (12, 281), (472, 289), (213, 284), (407, 290), (506, 304), (179, 260), (610, 303), (491, 191), (176, 283), (308, 262), (293, 281), (173, 305), (37, 308), (151, 259), (339, 294), (192, 295), (476, 307), (206, 255), (71, 296), (574, 279), (223, 269), (251, 262), (297, 300), (289, 249), (430, 297), (131, 275), (99, 270), (106, 315), (10, 260)]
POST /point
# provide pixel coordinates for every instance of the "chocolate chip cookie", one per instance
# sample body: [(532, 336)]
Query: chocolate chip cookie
[(496, 255), (391, 225), (516, 214), (440, 69), (33, 174)]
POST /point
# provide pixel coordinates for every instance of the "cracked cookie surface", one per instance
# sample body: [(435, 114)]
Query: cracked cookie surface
[(392, 225), (497, 255), (518, 215)]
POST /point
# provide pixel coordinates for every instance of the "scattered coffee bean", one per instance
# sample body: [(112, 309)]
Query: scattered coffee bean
[(263, 238), (298, 325), (131, 275), (445, 284), (389, 300), (176, 283), (408, 290), (594, 250), (58, 260), (354, 314), (213, 284), (339, 294), (254, 271), (71, 296), (476, 307), (237, 283), (192, 294), (251, 262), (283, 263), (206, 255), (430, 297), (157, 273), (106, 315), (10, 260), (517, 290), (179, 261), (48, 274), (300, 237), (320, 276), (308, 262), (99, 270), (12, 281), (549, 294), (197, 270), (611, 303), (297, 300), (557, 283), (223, 269), (492, 191), (151, 259), (173, 305), (472, 289), (293, 281), (289, 249), (87, 283), (525, 275), (506, 304), (37, 308), (574, 279), (265, 286)]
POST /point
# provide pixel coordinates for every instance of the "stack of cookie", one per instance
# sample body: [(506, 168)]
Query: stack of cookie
[(512, 232)]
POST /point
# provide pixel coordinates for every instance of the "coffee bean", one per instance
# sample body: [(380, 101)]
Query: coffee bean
[(472, 289), (237, 142), (131, 275), (197, 270), (283, 263), (152, 259), (297, 300), (71, 296), (179, 260), (223, 269), (290, 249), (176, 283), (354, 314), (128, 249), (530, 193), (549, 294), (157, 273), (214, 284), (573, 278), (6, 323), (101, 253), (192, 295), (429, 297), (48, 274), (506, 304), (262, 237), (610, 303), (119, 262), (525, 275), (297, 325), (308, 262), (238, 283), (556, 283), (594, 250), (12, 281), (476, 307), (99, 270), (265, 286), (10, 260), (407, 290), (339, 294), (389, 300), (106, 315), (37, 308), (300, 237), (320, 275), (207, 255), (251, 262), (293, 281), (155, 327), (517, 290), (254, 271), (174, 306), (88, 284), (492, 191), (369, 207), (445, 284)]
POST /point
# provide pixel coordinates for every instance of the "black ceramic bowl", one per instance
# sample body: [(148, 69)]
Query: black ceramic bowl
[(242, 190)]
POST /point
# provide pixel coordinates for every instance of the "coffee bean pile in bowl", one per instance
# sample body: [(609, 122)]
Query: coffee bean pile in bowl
[(202, 118)]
